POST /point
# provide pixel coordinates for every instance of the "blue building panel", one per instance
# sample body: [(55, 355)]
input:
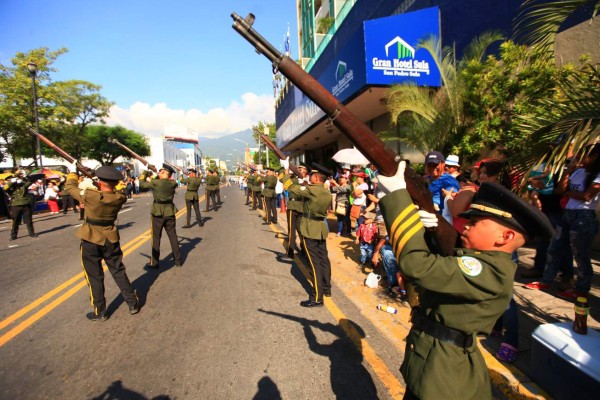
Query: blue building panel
[(391, 48)]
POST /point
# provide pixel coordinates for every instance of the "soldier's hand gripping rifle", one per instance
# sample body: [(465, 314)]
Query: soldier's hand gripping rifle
[(363, 138), (277, 151), (88, 172), (134, 155)]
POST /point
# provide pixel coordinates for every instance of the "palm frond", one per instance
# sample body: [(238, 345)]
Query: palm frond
[(410, 97), (478, 46), (538, 21)]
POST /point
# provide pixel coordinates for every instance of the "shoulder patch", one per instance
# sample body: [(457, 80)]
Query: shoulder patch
[(470, 266)]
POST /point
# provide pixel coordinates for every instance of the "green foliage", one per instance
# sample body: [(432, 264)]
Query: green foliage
[(64, 108), (96, 144), (273, 159), (323, 24)]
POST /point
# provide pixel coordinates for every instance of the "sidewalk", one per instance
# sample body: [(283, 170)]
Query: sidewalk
[(535, 308)]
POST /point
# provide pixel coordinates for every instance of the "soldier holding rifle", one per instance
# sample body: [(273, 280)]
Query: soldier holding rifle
[(163, 213), (100, 238), (269, 195), (212, 184), (462, 294), (193, 182), (313, 231), (20, 206)]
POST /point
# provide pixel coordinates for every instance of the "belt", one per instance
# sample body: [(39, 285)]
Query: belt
[(311, 217), (163, 202), (440, 331), (97, 222)]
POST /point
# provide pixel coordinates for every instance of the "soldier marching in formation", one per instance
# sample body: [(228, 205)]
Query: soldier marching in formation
[(212, 184), (100, 238), (295, 208), (163, 213), (21, 204), (256, 188), (268, 193), (193, 182)]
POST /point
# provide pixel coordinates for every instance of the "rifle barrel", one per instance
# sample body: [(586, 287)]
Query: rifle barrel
[(135, 155)]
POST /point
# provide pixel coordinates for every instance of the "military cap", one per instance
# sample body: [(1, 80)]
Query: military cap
[(303, 165), (167, 167), (320, 169), (495, 201), (35, 177), (108, 173), (270, 169)]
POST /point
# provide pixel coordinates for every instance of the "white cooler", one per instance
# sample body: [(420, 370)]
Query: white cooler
[(564, 363)]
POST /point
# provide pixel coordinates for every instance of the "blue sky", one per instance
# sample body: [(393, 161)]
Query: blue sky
[(162, 62)]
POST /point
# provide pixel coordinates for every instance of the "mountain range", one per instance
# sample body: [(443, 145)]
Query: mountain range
[(228, 148)]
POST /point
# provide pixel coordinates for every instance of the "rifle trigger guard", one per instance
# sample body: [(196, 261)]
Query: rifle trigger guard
[(275, 69)]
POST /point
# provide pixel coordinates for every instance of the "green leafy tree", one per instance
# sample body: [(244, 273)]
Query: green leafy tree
[(16, 101), (96, 144), (273, 159), (436, 119)]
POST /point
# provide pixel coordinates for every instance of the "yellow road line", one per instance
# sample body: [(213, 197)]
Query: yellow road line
[(127, 249), (395, 388)]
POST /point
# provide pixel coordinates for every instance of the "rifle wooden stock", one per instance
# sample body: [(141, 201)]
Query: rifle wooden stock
[(135, 155), (278, 152), (84, 170), (361, 136)]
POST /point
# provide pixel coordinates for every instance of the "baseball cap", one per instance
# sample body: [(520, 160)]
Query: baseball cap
[(434, 157)]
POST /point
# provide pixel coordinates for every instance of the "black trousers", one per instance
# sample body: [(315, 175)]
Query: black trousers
[(91, 259), (68, 201), (188, 206), (218, 195), (271, 205), (320, 267), (257, 200), (293, 224), (21, 212), (168, 223), (248, 194)]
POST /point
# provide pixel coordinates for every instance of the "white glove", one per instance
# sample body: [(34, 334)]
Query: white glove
[(13, 180), (19, 181), (73, 167), (428, 219), (285, 163), (389, 184)]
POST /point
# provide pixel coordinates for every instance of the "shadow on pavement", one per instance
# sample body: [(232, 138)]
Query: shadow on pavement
[(116, 390), (267, 390), (54, 229), (349, 378)]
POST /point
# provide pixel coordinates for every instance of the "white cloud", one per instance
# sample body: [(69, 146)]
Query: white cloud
[(151, 120)]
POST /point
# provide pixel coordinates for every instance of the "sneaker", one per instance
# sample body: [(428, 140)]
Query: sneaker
[(339, 234), (507, 353), (537, 286), (568, 294), (531, 273)]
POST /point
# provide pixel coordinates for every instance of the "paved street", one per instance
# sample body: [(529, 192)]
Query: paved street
[(225, 325)]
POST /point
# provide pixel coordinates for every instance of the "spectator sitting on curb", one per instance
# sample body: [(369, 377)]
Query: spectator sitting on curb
[(366, 235)]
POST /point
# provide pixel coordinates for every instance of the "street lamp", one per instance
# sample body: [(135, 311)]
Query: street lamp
[(32, 67)]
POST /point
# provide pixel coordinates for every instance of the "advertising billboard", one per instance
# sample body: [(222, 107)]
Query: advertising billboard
[(392, 48)]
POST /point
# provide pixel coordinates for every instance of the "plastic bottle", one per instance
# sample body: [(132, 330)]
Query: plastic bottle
[(581, 312), (388, 309)]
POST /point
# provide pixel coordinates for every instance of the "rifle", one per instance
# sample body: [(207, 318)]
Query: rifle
[(363, 138), (88, 172), (174, 166), (277, 151), (134, 155)]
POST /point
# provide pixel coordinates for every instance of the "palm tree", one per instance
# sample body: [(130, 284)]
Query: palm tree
[(575, 120), (432, 118)]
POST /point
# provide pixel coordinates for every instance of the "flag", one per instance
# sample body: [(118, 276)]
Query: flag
[(287, 42)]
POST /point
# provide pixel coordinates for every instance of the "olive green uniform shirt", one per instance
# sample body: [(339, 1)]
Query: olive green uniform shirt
[(193, 184), (270, 183), (212, 182), (163, 191), (18, 193), (316, 203), (295, 202), (468, 292), (99, 206)]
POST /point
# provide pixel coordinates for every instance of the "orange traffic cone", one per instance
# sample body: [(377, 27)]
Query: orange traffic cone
[(283, 207)]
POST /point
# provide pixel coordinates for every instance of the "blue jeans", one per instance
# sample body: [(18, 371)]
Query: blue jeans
[(390, 265), (366, 252), (541, 249), (344, 220), (580, 227), (510, 322)]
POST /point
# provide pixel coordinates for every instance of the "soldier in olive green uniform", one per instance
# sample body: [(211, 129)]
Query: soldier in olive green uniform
[(268, 194), (257, 201), (163, 213), (20, 204), (212, 184), (314, 232), (249, 178), (193, 183), (462, 295), (295, 208), (100, 238)]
